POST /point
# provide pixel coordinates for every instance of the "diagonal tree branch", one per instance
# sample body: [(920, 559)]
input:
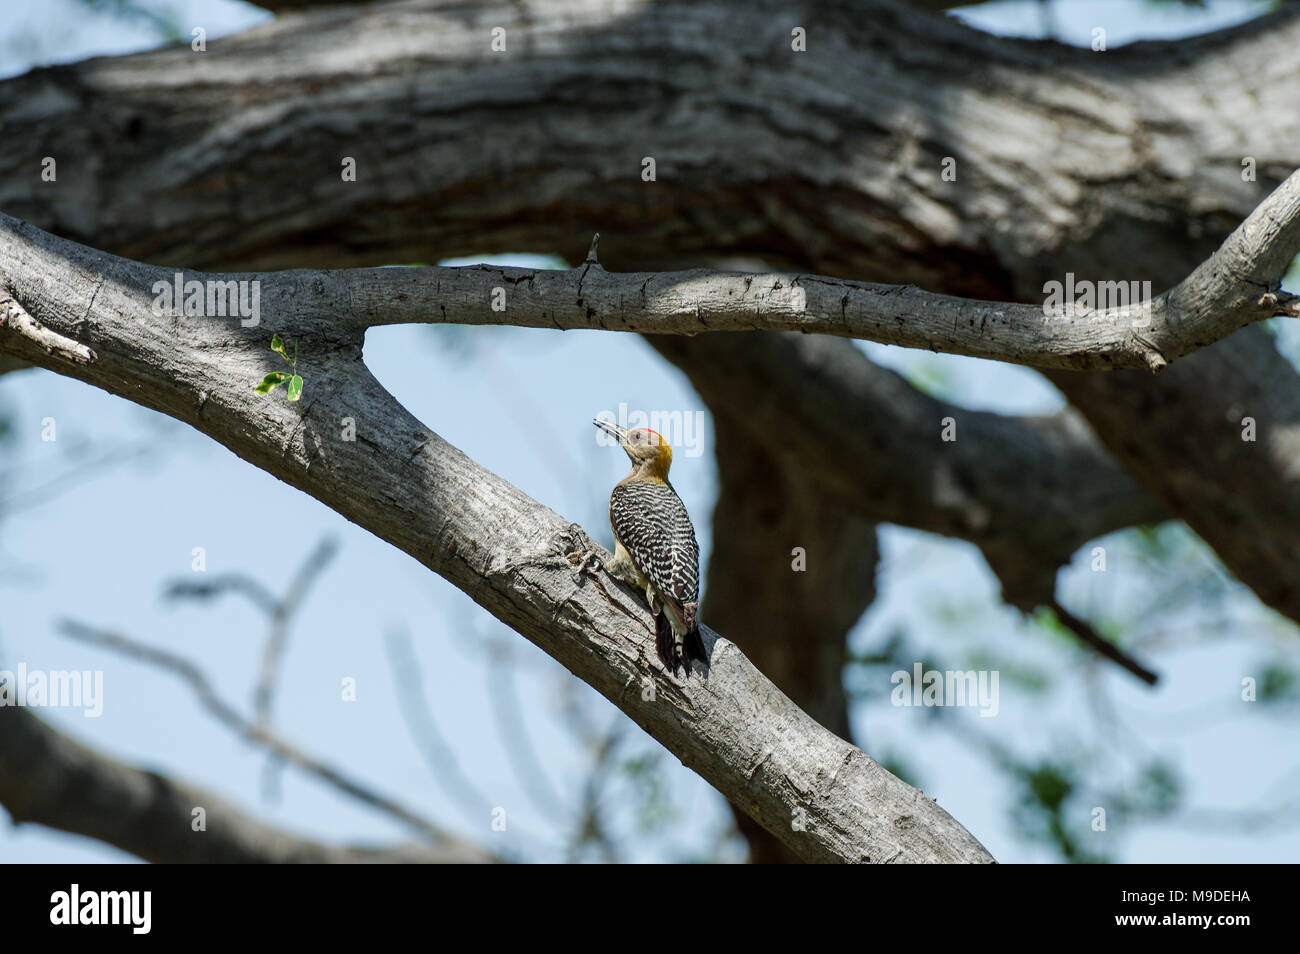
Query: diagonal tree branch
[(351, 445)]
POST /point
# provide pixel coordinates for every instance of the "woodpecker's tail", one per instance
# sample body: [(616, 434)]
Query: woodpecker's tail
[(674, 652)]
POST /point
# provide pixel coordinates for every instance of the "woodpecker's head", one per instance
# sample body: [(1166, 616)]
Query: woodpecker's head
[(647, 449)]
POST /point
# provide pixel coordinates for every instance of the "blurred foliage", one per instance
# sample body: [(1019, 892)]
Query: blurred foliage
[(1277, 683), (929, 377), (1039, 812), (654, 807), (1170, 586)]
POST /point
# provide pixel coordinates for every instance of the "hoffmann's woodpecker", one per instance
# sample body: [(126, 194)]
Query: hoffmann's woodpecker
[(654, 543)]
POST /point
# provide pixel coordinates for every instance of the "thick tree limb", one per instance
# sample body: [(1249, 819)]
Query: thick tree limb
[(49, 779), (1028, 491), (1066, 160), (765, 509), (1238, 285), (820, 795)]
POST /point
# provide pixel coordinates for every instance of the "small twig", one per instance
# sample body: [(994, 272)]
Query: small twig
[(240, 583), (280, 610), (1151, 354), (14, 316), (513, 729), (1281, 303), (415, 709), (278, 638), (1103, 647), (245, 729)]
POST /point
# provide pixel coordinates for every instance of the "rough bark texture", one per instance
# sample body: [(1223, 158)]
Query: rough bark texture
[(1066, 160), (1238, 285), (821, 796)]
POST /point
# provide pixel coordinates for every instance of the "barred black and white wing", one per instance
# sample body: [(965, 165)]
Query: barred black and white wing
[(651, 522)]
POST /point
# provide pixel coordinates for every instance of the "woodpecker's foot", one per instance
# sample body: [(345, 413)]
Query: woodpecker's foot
[(582, 561)]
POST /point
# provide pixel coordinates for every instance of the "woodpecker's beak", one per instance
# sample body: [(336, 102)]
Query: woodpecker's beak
[(613, 430)]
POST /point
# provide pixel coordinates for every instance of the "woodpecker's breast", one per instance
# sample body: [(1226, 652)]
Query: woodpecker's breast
[(651, 522)]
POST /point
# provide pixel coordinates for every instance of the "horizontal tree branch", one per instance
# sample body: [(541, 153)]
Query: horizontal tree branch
[(351, 445), (1238, 285)]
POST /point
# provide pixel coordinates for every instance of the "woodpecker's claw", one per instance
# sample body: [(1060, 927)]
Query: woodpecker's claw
[(581, 559)]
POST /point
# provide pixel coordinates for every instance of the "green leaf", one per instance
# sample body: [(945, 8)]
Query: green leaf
[(272, 381), (295, 388), (277, 345)]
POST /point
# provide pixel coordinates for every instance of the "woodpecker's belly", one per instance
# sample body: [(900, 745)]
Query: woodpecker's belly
[(651, 523)]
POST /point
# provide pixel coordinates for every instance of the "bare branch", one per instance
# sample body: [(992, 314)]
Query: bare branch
[(219, 585), (15, 317), (1236, 286), (1093, 640), (277, 639), (438, 754), (258, 735), (49, 779)]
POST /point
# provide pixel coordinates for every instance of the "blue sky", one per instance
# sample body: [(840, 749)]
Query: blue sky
[(94, 523)]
